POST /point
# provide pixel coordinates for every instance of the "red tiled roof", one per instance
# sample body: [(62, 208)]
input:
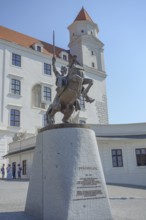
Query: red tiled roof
[(27, 41), (83, 16)]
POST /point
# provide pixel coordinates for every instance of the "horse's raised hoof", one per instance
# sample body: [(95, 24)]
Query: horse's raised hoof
[(90, 100)]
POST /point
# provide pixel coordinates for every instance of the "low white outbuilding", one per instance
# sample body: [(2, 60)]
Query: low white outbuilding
[(122, 150)]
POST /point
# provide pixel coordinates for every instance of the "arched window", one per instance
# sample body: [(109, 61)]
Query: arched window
[(36, 96)]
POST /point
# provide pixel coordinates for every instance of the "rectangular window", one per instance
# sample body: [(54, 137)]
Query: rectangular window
[(141, 156), (47, 68), (93, 64), (16, 59), (15, 86), (24, 167), (47, 93), (92, 53), (82, 102), (45, 120), (117, 158), (15, 118)]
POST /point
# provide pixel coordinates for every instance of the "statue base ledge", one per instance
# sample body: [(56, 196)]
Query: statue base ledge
[(63, 125)]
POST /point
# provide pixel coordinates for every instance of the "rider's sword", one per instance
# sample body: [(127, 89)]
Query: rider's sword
[(53, 43)]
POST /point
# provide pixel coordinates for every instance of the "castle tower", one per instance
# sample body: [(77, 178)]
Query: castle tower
[(84, 43)]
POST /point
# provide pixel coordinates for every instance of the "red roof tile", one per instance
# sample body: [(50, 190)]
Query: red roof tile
[(83, 16), (27, 41)]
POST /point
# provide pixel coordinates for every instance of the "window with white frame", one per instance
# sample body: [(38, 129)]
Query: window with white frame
[(117, 158), (47, 68), (47, 93), (16, 60), (141, 156), (14, 117), (15, 86)]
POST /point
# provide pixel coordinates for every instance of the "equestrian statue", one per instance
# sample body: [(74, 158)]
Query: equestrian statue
[(70, 87)]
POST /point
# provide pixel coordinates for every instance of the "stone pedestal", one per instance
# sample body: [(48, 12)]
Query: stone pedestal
[(67, 181)]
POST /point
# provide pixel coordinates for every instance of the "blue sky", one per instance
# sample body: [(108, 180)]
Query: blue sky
[(122, 25)]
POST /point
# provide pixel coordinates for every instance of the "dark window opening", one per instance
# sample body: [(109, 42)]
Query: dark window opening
[(24, 167), (15, 118), (64, 57), (117, 158), (15, 86), (93, 64), (141, 156), (47, 68), (16, 59), (47, 93), (92, 53), (39, 48)]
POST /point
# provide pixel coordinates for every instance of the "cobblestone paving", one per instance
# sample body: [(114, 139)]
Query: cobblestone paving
[(127, 203)]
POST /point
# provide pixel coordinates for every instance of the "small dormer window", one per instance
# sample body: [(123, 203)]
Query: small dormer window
[(38, 48), (64, 57)]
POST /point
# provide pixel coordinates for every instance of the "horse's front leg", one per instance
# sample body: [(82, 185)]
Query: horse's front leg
[(49, 117), (52, 110), (67, 111)]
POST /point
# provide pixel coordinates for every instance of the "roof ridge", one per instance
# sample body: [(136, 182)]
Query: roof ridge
[(26, 40)]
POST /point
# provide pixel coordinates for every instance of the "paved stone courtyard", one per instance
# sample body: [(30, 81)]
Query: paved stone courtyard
[(127, 203)]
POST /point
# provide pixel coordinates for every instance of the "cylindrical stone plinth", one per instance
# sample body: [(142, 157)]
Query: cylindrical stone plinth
[(67, 181)]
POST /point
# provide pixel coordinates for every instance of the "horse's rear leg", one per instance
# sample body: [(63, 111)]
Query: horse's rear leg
[(90, 83), (67, 113)]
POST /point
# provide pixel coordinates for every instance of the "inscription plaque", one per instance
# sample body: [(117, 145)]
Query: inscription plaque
[(89, 185)]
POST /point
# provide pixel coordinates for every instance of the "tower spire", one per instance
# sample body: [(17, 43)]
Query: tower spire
[(83, 16)]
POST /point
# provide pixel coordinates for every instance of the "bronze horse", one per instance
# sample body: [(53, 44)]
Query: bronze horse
[(67, 98)]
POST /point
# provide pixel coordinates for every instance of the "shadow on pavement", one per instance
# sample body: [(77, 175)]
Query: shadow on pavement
[(15, 216)]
